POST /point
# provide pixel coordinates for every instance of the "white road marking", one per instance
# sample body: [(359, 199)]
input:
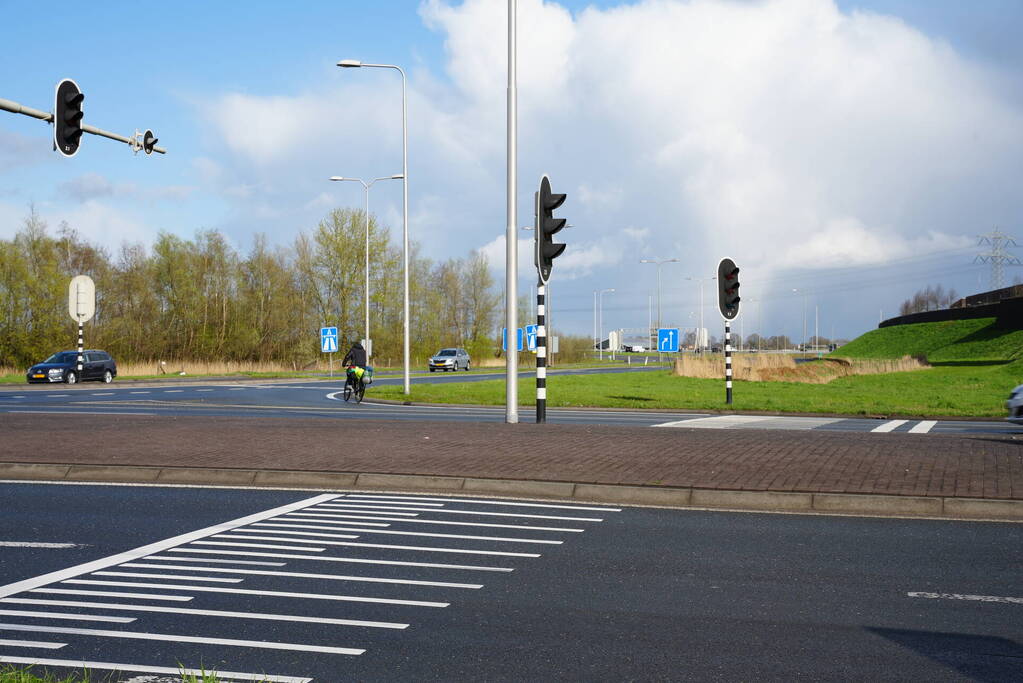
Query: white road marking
[(367, 508), (923, 427), (303, 575), (203, 559), (114, 594), (398, 502), (354, 560), (363, 545), (296, 540), (138, 392), (32, 643), (961, 596), (114, 666), (300, 647), (173, 391), (28, 544), (326, 510), (206, 612), (396, 533), (102, 393), (78, 412), (57, 395), (237, 389), (353, 519), (103, 563), (259, 545), (201, 390), (63, 615), (888, 426), (137, 575), (752, 421), (482, 502), (245, 591)]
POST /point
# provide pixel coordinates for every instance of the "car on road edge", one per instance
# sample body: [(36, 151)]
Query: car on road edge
[(63, 367), (1015, 406), (449, 359)]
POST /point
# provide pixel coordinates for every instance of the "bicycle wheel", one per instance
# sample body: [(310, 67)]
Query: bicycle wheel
[(360, 391), (348, 390)]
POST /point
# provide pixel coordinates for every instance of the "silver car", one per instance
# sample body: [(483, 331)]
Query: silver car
[(1015, 405), (449, 359)]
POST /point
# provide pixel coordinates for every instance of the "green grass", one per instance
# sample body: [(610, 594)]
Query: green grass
[(11, 674), (954, 341), (941, 391)]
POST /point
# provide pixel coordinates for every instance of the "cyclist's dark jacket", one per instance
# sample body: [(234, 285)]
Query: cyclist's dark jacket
[(355, 356)]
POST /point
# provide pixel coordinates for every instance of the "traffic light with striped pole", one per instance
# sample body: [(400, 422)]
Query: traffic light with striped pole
[(728, 305), (545, 251)]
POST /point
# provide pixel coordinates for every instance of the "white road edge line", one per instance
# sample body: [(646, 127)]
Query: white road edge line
[(205, 612), (119, 558), (141, 668)]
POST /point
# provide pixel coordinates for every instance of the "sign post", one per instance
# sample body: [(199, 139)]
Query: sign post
[(328, 344), (81, 305)]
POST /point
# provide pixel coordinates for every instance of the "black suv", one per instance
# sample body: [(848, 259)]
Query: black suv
[(63, 367)]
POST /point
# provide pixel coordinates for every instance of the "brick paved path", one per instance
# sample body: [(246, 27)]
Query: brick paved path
[(754, 460)]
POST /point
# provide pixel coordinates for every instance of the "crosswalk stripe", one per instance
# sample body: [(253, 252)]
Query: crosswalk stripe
[(888, 426), (923, 427)]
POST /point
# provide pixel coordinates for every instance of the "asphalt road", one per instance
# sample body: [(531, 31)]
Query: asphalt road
[(322, 399), (432, 588)]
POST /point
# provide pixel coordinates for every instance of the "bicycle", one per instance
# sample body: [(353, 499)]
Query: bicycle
[(354, 386)]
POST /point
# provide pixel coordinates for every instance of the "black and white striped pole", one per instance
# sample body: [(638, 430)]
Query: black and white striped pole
[(728, 362), (728, 305), (544, 253), (541, 352), (81, 305)]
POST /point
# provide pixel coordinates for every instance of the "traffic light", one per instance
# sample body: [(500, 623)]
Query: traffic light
[(67, 117), (546, 225), (728, 289), (149, 141)]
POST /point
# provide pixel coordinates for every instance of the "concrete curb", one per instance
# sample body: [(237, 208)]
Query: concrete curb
[(764, 501)]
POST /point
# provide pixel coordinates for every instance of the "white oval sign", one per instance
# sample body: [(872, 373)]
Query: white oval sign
[(81, 298)]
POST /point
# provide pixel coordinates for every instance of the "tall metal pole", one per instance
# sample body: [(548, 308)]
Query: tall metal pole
[(595, 340), (366, 328), (511, 398), (541, 353), (407, 380), (728, 362)]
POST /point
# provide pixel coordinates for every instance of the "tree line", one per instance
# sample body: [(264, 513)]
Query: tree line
[(202, 300)]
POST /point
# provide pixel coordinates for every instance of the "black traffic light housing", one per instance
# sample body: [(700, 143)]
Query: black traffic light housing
[(546, 225), (67, 117), (149, 141), (728, 289)]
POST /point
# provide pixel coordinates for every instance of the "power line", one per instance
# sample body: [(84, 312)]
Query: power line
[(998, 256)]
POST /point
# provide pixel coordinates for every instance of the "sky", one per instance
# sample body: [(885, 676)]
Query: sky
[(844, 153)]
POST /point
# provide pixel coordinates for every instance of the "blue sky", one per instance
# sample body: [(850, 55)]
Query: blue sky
[(852, 149)]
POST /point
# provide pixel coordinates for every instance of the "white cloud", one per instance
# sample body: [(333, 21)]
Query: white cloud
[(94, 186)]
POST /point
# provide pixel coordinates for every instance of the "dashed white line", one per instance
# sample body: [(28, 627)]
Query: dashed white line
[(354, 560), (366, 509), (205, 612), (353, 519), (141, 668), (300, 647), (102, 393), (29, 544), (31, 643), (207, 560), (245, 591), (923, 427), (63, 615), (173, 391), (889, 426), (261, 545), (139, 392), (964, 596)]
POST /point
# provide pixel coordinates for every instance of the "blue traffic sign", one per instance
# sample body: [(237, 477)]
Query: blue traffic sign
[(504, 338), (667, 339), (328, 339), (531, 337)]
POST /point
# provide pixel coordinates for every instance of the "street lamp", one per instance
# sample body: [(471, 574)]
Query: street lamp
[(600, 319), (397, 176), (658, 264), (354, 63), (794, 291), (700, 331)]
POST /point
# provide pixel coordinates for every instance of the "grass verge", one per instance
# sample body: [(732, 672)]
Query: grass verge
[(946, 391)]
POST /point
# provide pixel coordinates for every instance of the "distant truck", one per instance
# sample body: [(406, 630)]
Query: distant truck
[(634, 349)]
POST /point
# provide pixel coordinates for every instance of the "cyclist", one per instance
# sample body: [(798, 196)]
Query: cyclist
[(355, 359)]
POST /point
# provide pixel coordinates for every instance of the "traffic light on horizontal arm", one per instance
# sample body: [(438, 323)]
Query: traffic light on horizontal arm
[(67, 117)]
